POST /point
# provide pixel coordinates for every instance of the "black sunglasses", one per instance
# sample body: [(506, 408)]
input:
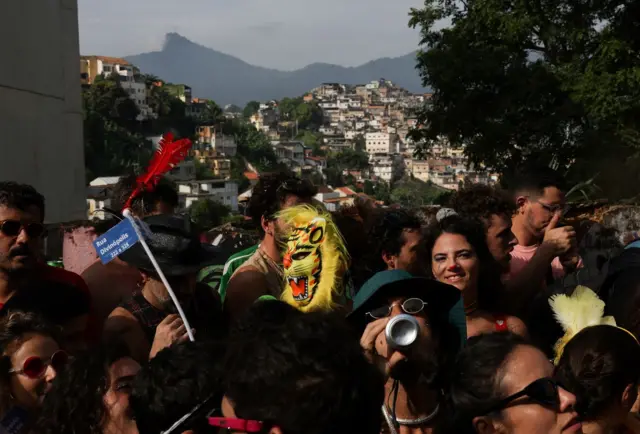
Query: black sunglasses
[(543, 391), (12, 228)]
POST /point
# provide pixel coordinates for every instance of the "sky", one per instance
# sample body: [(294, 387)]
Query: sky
[(282, 34)]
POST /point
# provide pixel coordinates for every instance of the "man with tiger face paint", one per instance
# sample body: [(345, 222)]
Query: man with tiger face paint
[(315, 259)]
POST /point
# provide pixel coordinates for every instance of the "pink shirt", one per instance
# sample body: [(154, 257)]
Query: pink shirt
[(521, 256)]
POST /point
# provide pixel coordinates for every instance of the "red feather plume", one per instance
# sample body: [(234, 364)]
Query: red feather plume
[(168, 155)]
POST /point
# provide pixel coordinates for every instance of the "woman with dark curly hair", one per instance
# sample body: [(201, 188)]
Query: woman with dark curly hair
[(460, 257), (30, 359), (91, 396), (502, 384), (600, 366)]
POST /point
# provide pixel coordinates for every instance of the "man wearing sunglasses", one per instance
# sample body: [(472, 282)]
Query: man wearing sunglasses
[(546, 249), (26, 282), (407, 333)]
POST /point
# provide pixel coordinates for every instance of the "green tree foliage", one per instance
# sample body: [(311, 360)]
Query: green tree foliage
[(368, 188), (312, 140), (523, 81), (211, 115), (308, 115), (412, 193), (113, 142), (203, 171), (255, 147), (360, 143), (349, 159), (208, 214), (250, 109)]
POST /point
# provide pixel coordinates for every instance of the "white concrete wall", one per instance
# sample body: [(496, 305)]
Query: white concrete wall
[(40, 104)]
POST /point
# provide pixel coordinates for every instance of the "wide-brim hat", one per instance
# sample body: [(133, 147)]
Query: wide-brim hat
[(175, 244), (440, 298)]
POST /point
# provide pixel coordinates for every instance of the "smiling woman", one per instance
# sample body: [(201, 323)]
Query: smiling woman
[(30, 359), (460, 257)]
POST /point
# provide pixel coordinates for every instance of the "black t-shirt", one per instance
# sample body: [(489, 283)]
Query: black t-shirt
[(58, 302)]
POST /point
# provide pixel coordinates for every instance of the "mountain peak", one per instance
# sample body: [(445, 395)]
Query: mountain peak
[(175, 40), (227, 79)]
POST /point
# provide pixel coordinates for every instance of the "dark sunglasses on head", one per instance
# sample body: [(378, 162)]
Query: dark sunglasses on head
[(543, 391), (35, 367), (12, 228), (410, 306)]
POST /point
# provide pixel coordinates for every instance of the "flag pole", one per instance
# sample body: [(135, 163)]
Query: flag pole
[(127, 214)]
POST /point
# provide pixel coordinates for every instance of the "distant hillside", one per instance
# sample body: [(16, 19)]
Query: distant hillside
[(229, 80)]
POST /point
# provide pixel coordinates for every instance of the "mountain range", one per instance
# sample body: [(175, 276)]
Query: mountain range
[(229, 80)]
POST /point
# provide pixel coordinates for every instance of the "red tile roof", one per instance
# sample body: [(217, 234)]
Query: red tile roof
[(346, 190)]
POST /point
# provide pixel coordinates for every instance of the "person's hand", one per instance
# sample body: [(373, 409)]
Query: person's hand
[(562, 240), (368, 342), (168, 332), (571, 259)]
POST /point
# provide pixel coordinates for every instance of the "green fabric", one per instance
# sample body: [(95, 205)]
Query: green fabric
[(266, 298), (233, 263), (211, 276), (458, 318)]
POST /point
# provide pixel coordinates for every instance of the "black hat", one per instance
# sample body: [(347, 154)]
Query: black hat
[(175, 243)]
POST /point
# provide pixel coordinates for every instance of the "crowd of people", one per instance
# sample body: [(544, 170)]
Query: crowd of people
[(442, 325)]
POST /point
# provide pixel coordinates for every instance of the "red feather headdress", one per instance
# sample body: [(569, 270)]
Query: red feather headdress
[(168, 155)]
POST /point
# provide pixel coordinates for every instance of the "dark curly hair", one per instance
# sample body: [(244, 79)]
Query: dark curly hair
[(597, 365), (21, 196), (271, 191), (146, 202), (489, 283), (174, 382), (386, 234), (13, 329), (532, 178), (75, 403), (481, 201), (304, 373), (477, 375)]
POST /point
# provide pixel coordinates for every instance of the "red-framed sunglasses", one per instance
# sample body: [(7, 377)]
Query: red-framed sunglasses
[(12, 228), (241, 425), (35, 367)]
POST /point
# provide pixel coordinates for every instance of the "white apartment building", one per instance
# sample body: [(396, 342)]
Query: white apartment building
[(224, 192), (381, 143), (138, 93), (383, 169), (350, 134), (183, 171), (225, 145)]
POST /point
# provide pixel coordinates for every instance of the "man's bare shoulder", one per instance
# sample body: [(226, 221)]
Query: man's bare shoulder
[(248, 275)]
